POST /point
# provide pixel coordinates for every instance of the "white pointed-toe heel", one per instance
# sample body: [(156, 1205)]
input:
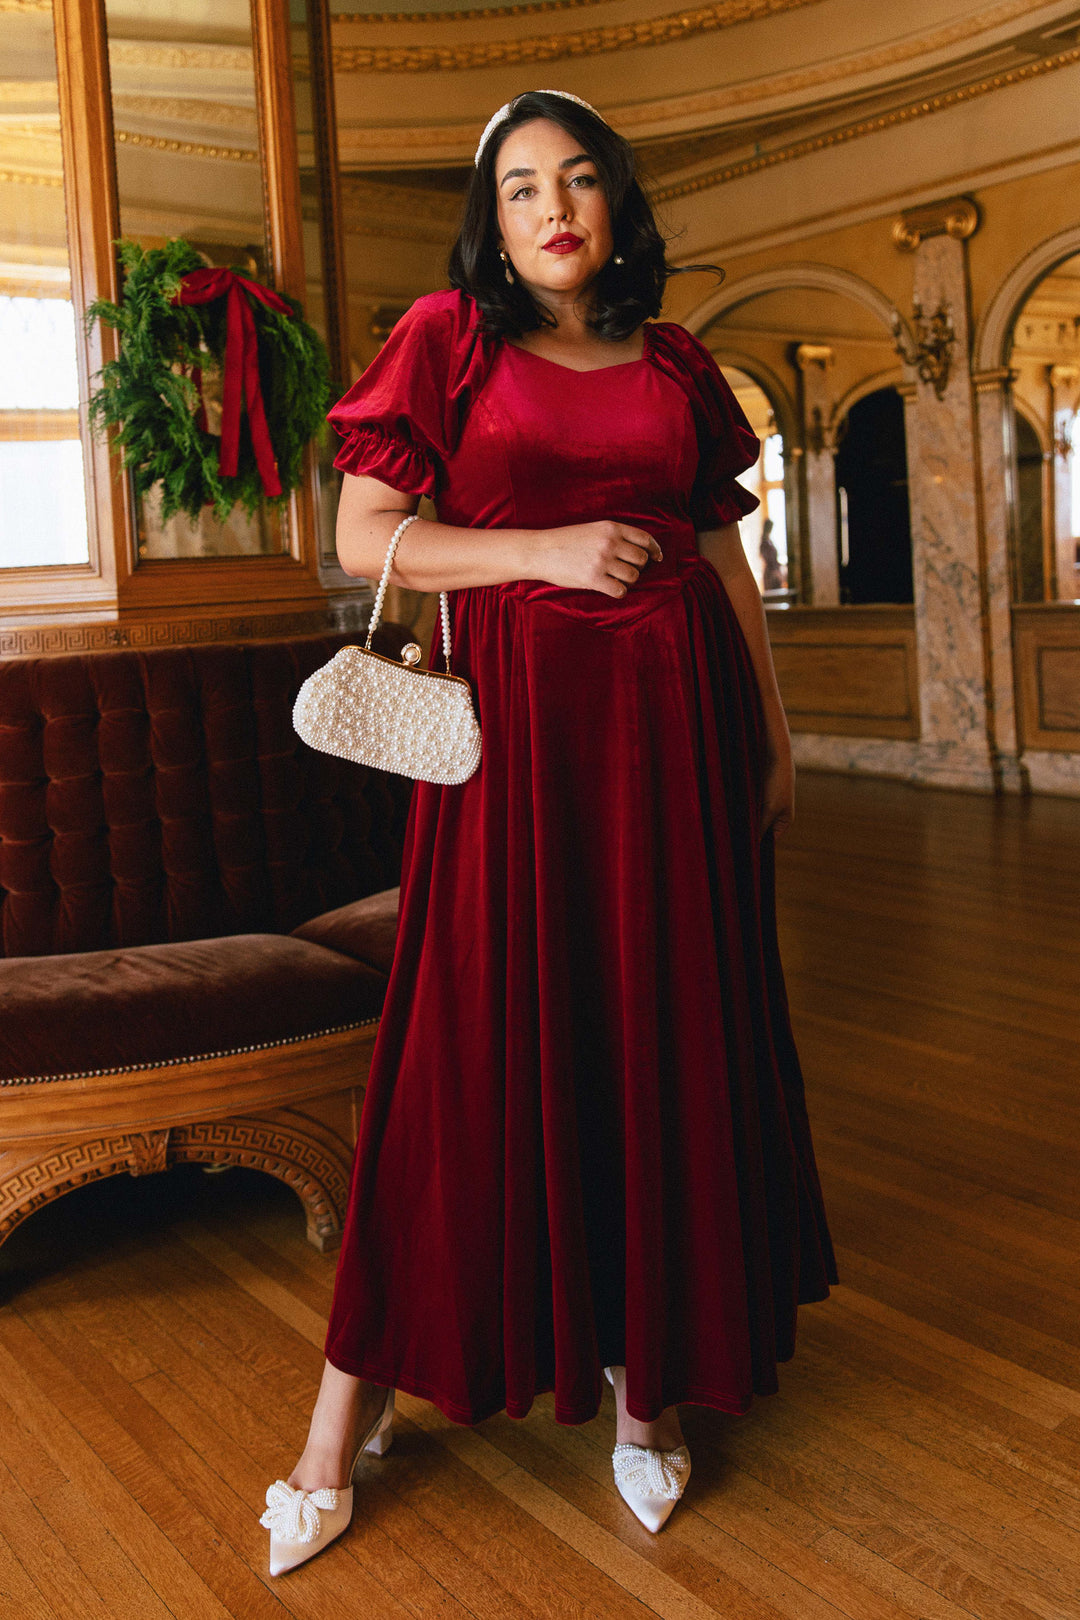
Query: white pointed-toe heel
[(649, 1481), (302, 1523)]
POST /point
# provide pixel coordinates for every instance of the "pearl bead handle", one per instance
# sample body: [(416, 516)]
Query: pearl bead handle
[(376, 610)]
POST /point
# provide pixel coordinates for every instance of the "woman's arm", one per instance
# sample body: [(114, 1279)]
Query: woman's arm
[(604, 556), (723, 548)]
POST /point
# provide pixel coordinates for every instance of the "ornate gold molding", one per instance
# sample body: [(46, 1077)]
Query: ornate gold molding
[(13, 177), (685, 24), (25, 5), (375, 196), (957, 217), (866, 126), (406, 213), (475, 14), (139, 53), (185, 110), (159, 143), (33, 92)]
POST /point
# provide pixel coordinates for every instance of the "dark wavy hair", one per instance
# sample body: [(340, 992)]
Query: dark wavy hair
[(623, 295)]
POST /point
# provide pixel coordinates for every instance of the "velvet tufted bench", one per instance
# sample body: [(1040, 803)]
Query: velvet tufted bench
[(197, 921)]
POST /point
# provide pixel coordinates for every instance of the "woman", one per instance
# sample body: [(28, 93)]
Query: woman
[(584, 1145)]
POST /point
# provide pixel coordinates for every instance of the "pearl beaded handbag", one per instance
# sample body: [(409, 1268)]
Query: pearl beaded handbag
[(375, 711)]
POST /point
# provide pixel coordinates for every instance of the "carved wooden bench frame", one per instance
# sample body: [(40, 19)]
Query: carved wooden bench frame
[(291, 1110)]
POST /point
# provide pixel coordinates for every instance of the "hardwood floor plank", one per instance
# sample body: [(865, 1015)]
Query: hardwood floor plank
[(19, 1597), (161, 1340), (72, 1425)]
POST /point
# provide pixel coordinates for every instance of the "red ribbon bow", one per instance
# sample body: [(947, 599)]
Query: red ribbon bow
[(241, 365)]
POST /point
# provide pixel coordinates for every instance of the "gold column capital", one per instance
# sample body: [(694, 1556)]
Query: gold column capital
[(957, 217), (813, 354), (985, 382)]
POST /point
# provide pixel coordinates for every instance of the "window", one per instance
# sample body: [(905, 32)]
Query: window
[(42, 482)]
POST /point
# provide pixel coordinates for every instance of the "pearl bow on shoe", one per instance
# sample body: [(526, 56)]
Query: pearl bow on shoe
[(649, 1481), (293, 1515), (301, 1523), (655, 1473)]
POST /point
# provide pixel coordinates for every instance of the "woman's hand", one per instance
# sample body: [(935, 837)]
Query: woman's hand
[(778, 808), (602, 556)]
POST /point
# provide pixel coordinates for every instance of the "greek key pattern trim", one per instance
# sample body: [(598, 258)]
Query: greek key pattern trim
[(319, 1178), (48, 640), (317, 1175)]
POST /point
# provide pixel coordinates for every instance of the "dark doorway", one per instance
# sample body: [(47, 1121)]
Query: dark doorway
[(1030, 581), (871, 467)]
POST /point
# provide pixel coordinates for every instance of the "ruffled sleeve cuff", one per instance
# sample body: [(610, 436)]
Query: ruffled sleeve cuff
[(370, 451), (726, 501)]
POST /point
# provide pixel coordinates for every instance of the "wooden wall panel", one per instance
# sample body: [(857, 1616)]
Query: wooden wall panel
[(1046, 638), (849, 671)]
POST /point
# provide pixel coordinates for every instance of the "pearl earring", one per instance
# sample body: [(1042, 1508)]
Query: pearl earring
[(618, 259), (506, 267)]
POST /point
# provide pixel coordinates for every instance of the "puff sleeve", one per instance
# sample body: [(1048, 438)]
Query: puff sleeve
[(727, 443), (402, 418)]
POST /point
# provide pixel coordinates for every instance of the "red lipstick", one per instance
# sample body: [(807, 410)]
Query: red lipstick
[(565, 242)]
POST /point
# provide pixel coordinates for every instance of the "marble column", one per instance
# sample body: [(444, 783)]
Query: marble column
[(955, 692), (814, 361), (1064, 399), (997, 470)]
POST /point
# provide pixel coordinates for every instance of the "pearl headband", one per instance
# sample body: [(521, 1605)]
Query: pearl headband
[(505, 108)]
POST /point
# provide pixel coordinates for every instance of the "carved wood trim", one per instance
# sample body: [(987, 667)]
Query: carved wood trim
[(169, 1095), (311, 1158), (48, 640), (324, 113), (93, 221)]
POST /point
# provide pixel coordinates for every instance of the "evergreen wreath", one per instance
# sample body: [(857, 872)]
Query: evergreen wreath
[(151, 394)]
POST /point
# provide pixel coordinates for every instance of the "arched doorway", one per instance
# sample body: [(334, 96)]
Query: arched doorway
[(764, 531), (1031, 559), (1044, 360), (826, 334), (872, 491)]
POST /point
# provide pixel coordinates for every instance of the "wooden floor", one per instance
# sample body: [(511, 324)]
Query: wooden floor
[(160, 1340)]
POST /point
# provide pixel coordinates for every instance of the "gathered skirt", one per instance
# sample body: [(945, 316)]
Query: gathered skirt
[(584, 1139)]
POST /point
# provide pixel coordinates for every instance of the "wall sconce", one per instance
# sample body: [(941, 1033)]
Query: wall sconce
[(931, 355)]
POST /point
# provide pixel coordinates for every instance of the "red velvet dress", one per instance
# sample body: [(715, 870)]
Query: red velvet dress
[(584, 1140)]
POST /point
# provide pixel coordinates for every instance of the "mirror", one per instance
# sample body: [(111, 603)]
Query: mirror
[(42, 478), (188, 164), (1045, 362)]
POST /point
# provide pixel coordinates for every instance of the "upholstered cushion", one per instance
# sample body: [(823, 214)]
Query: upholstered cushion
[(365, 930), (149, 796), (109, 1009)]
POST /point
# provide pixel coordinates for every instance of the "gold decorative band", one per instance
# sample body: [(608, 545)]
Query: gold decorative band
[(684, 24), (15, 177), (475, 14), (866, 126), (159, 143)]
